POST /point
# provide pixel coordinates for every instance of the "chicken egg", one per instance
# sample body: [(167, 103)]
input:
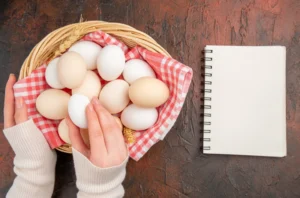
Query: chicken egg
[(111, 62), (85, 136), (51, 75), (76, 109), (53, 104), (135, 69), (139, 118), (89, 52), (71, 69), (148, 92), (114, 96), (63, 131), (90, 87)]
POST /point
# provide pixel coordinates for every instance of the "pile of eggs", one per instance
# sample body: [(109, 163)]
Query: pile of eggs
[(81, 69)]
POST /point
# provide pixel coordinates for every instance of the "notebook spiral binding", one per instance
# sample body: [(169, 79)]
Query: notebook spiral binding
[(206, 98)]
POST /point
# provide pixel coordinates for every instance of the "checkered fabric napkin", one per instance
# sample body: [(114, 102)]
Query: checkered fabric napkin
[(30, 88), (176, 75)]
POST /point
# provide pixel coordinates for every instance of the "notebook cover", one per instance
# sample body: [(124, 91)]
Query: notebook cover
[(248, 107)]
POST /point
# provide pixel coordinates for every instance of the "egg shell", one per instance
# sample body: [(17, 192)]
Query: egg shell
[(90, 86), (53, 104), (71, 69), (148, 92), (135, 69), (85, 136), (139, 118), (89, 52), (51, 75), (110, 62), (114, 96), (76, 109), (63, 131)]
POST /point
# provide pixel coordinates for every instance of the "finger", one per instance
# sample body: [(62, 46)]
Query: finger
[(97, 143), (112, 133), (9, 102), (76, 139), (20, 110)]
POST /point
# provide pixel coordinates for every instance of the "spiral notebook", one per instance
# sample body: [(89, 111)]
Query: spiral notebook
[(244, 100)]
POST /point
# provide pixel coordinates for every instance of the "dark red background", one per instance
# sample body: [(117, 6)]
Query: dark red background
[(176, 166)]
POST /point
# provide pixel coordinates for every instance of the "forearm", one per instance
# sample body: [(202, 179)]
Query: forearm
[(34, 163), (95, 182)]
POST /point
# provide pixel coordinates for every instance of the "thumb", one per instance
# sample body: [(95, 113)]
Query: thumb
[(20, 111), (76, 138)]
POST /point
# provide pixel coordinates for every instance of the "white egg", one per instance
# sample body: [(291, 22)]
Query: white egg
[(76, 109), (110, 62), (90, 87), (63, 131), (114, 96), (135, 69), (51, 75), (89, 52), (138, 118)]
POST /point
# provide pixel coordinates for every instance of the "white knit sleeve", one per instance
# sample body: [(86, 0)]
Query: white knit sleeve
[(34, 163), (95, 182)]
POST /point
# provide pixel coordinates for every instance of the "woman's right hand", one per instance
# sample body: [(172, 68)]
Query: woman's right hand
[(107, 145)]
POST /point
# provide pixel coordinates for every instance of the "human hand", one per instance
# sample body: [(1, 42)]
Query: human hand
[(15, 109), (107, 145), (34, 163)]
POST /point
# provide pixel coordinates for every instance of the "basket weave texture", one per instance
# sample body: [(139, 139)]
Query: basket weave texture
[(60, 40)]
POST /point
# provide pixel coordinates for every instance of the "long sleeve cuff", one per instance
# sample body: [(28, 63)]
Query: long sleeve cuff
[(27, 140), (34, 163), (93, 181)]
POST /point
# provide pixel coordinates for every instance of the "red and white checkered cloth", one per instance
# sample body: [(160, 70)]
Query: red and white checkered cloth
[(176, 75)]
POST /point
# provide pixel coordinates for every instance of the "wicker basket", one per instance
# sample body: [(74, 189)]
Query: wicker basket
[(58, 41)]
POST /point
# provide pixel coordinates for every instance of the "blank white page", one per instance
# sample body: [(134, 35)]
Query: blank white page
[(248, 108)]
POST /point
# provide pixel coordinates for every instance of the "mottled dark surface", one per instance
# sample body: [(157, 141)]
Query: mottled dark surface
[(174, 167)]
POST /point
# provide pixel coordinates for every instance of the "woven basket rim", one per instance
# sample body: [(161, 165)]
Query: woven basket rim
[(58, 41)]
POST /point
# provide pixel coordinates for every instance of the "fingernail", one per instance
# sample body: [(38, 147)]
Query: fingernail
[(19, 102), (11, 75), (95, 100), (90, 107)]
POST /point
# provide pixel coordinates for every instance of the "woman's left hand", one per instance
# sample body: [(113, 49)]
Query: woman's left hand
[(15, 109), (35, 160)]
